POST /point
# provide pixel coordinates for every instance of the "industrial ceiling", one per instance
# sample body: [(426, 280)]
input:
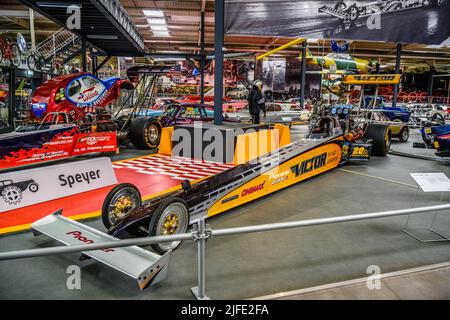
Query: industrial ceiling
[(174, 27)]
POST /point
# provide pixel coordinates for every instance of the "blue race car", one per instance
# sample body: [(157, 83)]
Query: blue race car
[(393, 113)]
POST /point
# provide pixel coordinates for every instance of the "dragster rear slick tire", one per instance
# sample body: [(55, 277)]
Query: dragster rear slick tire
[(145, 133), (381, 136)]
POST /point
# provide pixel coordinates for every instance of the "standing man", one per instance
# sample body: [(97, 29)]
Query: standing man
[(256, 102)]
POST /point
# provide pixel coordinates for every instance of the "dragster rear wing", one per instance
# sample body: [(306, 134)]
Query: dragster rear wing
[(146, 267)]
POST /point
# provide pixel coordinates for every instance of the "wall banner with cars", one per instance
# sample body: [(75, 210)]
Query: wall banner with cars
[(24, 188), (403, 21)]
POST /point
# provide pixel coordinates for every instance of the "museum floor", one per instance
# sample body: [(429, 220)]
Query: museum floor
[(261, 264)]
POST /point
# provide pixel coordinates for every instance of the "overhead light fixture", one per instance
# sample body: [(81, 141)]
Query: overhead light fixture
[(156, 21), (159, 27), (161, 34), (154, 13)]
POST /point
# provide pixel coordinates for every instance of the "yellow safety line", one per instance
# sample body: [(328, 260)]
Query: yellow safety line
[(379, 178)]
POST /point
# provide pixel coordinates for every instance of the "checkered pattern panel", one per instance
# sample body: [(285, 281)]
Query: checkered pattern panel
[(176, 167)]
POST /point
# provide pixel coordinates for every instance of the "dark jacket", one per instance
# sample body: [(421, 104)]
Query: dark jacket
[(256, 102)]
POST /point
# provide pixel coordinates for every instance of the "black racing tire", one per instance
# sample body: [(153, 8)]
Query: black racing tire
[(32, 63), (145, 133), (123, 189), (161, 213), (404, 134), (381, 136)]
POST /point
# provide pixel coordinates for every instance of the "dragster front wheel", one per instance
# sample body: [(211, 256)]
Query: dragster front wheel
[(119, 202), (170, 218)]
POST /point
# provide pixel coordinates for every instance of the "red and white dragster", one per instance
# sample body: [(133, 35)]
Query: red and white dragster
[(67, 121)]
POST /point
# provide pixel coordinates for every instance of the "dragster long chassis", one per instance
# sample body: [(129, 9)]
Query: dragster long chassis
[(221, 192), (247, 182)]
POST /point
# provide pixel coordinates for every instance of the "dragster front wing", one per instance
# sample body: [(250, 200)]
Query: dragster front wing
[(146, 267)]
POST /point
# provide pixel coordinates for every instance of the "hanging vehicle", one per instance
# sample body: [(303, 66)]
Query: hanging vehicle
[(342, 62)]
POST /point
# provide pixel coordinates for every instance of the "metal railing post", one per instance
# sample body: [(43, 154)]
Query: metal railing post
[(200, 237)]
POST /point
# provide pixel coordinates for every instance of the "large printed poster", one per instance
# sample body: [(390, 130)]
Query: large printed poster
[(404, 21)]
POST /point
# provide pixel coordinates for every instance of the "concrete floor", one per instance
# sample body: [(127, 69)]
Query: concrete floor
[(255, 265), (426, 283)]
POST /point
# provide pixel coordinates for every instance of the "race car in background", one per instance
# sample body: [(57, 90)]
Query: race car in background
[(56, 137), (80, 95), (436, 136)]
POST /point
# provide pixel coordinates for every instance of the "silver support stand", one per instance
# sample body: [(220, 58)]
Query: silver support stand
[(200, 237), (409, 232)]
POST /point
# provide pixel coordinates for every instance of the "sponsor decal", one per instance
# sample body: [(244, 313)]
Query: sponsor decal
[(78, 235), (360, 152), (310, 165), (86, 177), (24, 188), (12, 192), (85, 91), (373, 79), (276, 178), (253, 190), (91, 140)]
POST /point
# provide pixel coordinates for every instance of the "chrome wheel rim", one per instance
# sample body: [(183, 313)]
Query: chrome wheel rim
[(121, 204), (405, 135), (153, 133), (173, 220)]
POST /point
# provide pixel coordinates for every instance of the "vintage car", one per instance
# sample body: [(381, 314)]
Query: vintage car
[(77, 94), (12, 192), (393, 113), (398, 129), (274, 115), (239, 93), (422, 113), (148, 130), (229, 105)]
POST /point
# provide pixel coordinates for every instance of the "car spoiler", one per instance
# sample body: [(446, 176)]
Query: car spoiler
[(146, 267)]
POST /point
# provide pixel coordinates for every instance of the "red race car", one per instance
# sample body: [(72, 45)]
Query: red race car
[(69, 119)]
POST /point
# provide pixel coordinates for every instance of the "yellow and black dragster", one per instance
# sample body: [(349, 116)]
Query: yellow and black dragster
[(173, 212)]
